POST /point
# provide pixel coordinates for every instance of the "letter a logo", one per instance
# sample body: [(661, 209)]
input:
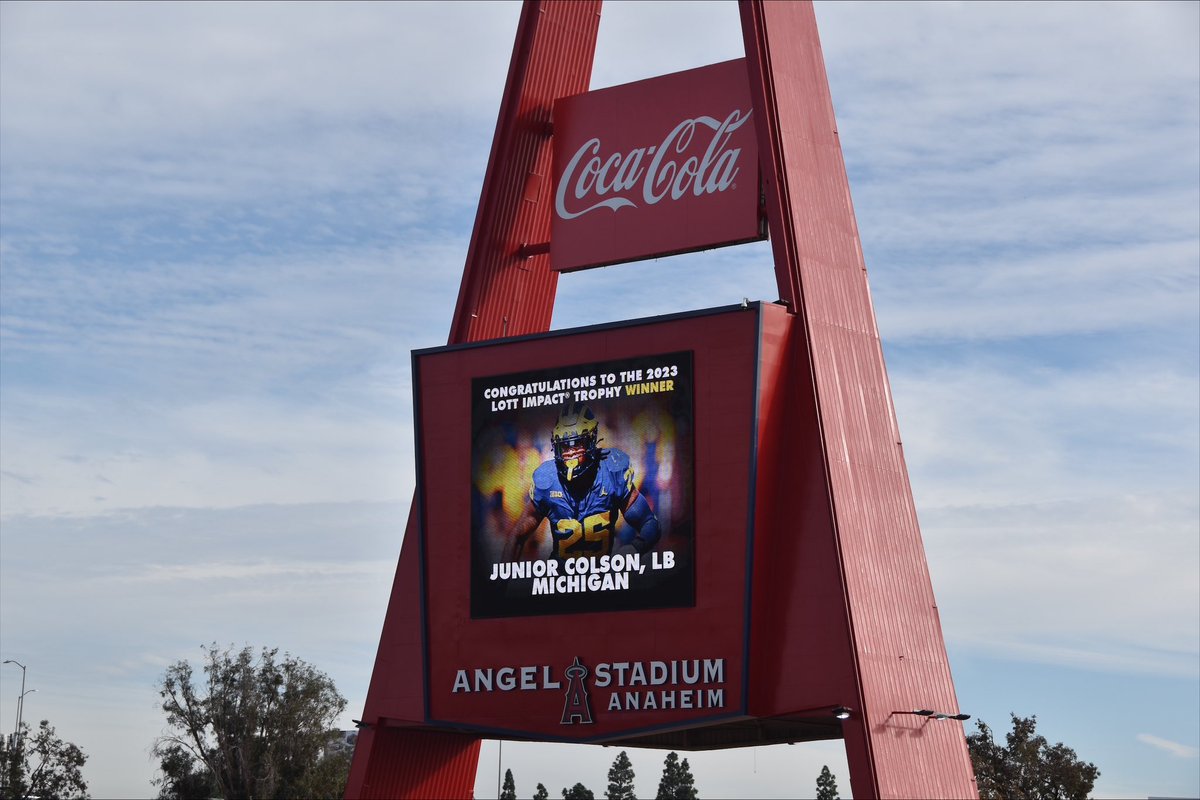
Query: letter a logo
[(576, 707)]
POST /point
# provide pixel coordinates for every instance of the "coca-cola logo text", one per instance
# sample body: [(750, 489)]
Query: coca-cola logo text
[(591, 181)]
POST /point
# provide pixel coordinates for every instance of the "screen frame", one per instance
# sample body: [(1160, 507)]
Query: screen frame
[(725, 342)]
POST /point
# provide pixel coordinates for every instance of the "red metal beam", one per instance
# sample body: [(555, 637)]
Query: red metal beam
[(899, 655), (887, 611), (505, 291), (507, 287)]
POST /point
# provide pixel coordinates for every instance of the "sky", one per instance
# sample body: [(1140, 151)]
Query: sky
[(225, 226)]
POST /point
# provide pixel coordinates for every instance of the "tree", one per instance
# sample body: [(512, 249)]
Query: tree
[(827, 785), (509, 792), (182, 776), (620, 779), (542, 793), (578, 792), (676, 782), (327, 778), (43, 766), (257, 728), (1028, 767)]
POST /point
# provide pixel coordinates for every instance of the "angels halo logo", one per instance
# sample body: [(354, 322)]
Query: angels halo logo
[(577, 705)]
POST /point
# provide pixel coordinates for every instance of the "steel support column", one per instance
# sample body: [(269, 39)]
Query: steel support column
[(504, 292), (898, 652)]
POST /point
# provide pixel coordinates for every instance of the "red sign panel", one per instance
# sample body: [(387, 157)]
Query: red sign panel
[(657, 167), (585, 513)]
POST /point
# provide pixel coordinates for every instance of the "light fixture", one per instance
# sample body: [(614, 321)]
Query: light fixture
[(841, 712), (938, 715)]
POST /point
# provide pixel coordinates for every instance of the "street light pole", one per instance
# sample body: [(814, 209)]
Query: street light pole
[(21, 699), (21, 713)]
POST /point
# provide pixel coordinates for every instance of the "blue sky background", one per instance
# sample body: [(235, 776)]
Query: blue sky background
[(224, 226)]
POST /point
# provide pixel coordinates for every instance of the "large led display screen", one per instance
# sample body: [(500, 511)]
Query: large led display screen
[(584, 503), (582, 488)]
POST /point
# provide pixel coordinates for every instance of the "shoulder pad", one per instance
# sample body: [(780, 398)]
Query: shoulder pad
[(615, 460), (545, 476)]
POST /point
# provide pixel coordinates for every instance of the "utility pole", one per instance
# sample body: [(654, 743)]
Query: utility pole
[(12, 752), (21, 699)]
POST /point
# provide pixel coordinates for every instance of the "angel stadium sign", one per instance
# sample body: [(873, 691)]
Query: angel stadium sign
[(608, 687), (691, 531)]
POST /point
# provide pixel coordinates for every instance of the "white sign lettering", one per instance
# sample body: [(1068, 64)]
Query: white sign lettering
[(590, 176)]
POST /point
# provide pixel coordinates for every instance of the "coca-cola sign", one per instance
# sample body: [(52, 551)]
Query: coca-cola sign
[(653, 168), (671, 173)]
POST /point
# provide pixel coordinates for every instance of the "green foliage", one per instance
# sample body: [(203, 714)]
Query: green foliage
[(542, 793), (620, 779), (258, 728), (827, 785), (1027, 767), (578, 792), (327, 777), (182, 776), (676, 782), (43, 766), (509, 792)]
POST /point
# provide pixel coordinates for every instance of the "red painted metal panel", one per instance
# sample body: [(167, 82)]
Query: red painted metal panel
[(418, 764), (802, 659), (396, 691), (899, 657), (661, 166), (504, 293), (712, 628)]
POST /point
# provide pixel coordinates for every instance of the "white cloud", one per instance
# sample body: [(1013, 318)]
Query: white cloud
[(166, 573), (1102, 582), (645, 39), (1174, 748), (109, 600), (113, 75), (1016, 172), (216, 454), (994, 427), (1085, 290), (1059, 507)]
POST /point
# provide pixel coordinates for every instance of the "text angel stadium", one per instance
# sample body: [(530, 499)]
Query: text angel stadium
[(635, 685)]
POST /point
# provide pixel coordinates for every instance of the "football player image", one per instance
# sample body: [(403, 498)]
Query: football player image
[(582, 492)]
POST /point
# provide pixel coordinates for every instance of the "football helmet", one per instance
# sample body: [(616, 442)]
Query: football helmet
[(576, 438)]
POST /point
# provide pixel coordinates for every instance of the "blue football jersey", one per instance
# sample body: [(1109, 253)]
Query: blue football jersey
[(584, 527)]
